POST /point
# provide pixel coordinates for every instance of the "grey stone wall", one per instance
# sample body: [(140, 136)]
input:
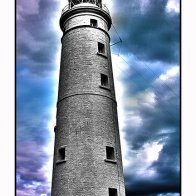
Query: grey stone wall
[(86, 114)]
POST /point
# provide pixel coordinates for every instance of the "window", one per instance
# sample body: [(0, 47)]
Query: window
[(110, 153), (112, 192), (104, 80), (61, 154), (101, 48), (93, 23)]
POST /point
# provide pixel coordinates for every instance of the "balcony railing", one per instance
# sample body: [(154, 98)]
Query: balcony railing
[(68, 7), (65, 9)]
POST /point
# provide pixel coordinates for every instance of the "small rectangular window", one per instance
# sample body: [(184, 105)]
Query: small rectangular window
[(101, 48), (93, 23), (112, 192), (61, 154), (110, 153), (104, 80)]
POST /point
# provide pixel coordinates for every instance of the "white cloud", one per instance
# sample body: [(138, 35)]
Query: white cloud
[(146, 98), (134, 119), (140, 160), (109, 4), (152, 151), (174, 71), (173, 6)]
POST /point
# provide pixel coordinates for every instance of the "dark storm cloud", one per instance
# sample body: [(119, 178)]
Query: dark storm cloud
[(148, 31), (37, 40), (31, 178), (150, 46), (163, 115), (160, 123), (139, 77), (37, 45), (33, 115), (30, 158), (151, 187)]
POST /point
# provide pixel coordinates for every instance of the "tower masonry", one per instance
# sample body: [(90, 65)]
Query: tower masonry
[(87, 153)]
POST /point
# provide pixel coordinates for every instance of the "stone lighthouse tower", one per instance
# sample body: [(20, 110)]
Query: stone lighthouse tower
[(87, 153)]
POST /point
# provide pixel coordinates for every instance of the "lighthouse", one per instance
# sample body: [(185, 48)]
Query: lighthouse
[(87, 153)]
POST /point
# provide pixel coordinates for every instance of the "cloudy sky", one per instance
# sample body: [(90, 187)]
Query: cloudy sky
[(146, 73)]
